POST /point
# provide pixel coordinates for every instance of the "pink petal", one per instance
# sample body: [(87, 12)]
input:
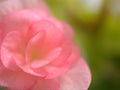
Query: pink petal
[(10, 44), (63, 63), (15, 80), (46, 84), (8, 6), (1, 36), (22, 20), (34, 46), (78, 78), (69, 30), (29, 70), (67, 50), (19, 21), (45, 15), (46, 60), (50, 30)]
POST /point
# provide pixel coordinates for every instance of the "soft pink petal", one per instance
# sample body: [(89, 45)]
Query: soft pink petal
[(7, 6), (54, 36), (29, 70), (19, 20), (46, 60), (15, 80), (37, 53), (1, 36), (74, 56), (46, 84), (78, 78), (33, 47), (68, 50), (10, 44), (49, 17), (63, 63), (69, 30)]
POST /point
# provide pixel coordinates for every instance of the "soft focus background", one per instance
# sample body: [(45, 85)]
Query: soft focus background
[(97, 27)]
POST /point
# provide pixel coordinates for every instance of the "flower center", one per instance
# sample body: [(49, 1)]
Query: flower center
[(37, 54)]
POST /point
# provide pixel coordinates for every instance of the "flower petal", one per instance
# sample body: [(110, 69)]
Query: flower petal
[(8, 6), (78, 78), (63, 63), (69, 30), (49, 58), (46, 84), (19, 20), (33, 47), (29, 70), (1, 36), (10, 44), (50, 30), (15, 80)]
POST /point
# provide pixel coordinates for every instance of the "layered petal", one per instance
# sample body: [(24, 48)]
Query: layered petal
[(63, 63), (20, 20), (11, 44), (54, 36), (33, 48), (46, 60), (15, 80), (78, 78)]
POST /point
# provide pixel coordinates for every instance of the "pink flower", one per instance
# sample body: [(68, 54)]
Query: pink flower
[(37, 52)]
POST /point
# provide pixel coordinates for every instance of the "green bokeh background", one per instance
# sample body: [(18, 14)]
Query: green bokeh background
[(97, 29), (97, 32)]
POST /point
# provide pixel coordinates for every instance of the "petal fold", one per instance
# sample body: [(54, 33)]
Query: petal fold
[(78, 78), (15, 80), (11, 43), (51, 30)]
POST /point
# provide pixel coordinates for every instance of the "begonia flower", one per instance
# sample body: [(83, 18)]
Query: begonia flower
[(37, 51)]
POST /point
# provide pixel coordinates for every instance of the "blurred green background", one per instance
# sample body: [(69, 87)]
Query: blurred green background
[(97, 27)]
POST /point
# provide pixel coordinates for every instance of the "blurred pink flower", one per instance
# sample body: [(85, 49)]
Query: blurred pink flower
[(37, 51)]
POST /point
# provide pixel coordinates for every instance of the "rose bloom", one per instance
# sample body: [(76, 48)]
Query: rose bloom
[(37, 52)]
